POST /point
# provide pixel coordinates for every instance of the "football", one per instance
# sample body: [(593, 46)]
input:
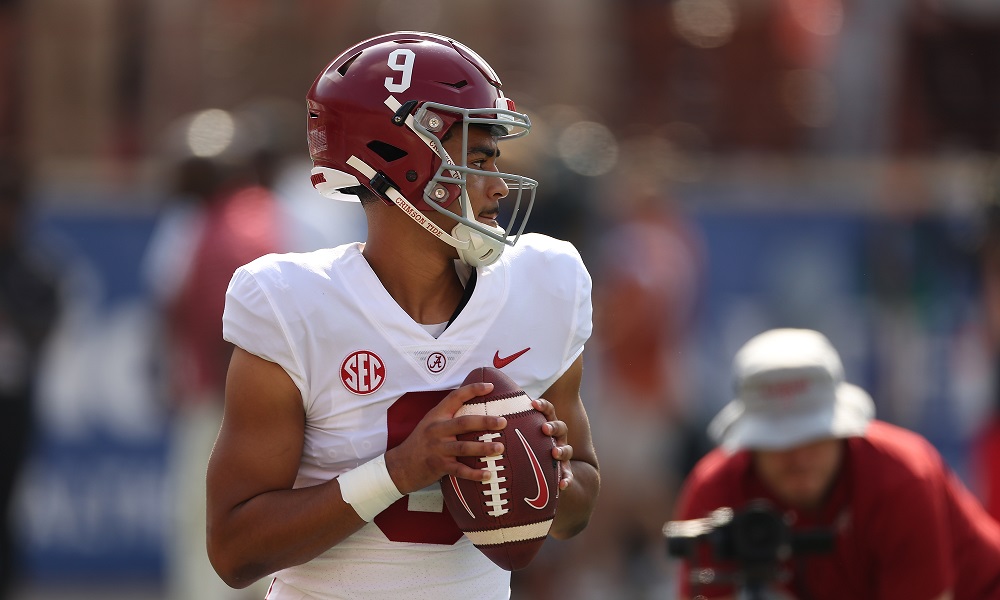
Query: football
[(508, 516)]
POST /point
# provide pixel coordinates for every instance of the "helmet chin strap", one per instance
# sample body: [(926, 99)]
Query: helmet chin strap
[(482, 250), (474, 249)]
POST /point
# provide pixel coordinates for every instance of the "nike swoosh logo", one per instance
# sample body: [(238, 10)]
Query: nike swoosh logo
[(461, 498), (500, 363), (542, 497)]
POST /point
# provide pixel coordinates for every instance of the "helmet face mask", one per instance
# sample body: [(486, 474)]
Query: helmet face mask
[(452, 173), (378, 115)]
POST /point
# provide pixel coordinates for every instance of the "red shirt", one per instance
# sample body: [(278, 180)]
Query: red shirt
[(240, 225), (905, 527), (987, 462)]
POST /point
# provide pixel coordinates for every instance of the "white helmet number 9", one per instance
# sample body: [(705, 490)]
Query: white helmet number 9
[(400, 60)]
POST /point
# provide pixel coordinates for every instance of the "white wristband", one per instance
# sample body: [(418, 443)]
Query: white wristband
[(369, 488)]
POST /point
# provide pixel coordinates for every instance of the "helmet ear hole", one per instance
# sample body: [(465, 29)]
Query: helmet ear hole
[(386, 152)]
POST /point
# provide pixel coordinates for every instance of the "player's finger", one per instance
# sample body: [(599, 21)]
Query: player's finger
[(470, 448), (471, 423), (463, 471), (563, 453), (566, 478), (455, 398), (556, 429), (545, 407)]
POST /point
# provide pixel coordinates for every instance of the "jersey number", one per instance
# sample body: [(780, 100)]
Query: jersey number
[(400, 60), (398, 522)]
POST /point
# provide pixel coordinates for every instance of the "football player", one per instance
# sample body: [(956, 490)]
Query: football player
[(341, 394)]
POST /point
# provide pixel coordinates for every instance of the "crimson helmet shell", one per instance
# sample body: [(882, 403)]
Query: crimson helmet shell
[(348, 114)]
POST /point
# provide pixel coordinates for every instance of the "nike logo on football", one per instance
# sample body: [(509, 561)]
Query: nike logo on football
[(461, 497), (500, 363), (542, 497)]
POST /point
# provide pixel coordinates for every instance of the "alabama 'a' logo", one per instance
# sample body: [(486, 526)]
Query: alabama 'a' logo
[(362, 372), (541, 499), (436, 362)]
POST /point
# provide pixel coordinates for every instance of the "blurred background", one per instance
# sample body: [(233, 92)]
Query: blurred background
[(724, 166)]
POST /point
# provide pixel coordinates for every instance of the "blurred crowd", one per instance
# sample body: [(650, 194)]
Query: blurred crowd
[(724, 166)]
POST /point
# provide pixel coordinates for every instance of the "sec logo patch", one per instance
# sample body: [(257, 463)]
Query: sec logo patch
[(362, 372)]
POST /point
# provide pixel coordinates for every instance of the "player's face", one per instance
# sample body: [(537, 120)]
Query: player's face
[(800, 476), (484, 192)]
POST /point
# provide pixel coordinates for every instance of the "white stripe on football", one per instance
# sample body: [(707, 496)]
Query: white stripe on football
[(520, 533), (497, 408)]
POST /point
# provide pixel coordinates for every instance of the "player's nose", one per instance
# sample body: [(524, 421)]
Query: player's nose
[(497, 187)]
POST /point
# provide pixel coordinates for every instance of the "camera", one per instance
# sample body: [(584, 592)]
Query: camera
[(757, 538)]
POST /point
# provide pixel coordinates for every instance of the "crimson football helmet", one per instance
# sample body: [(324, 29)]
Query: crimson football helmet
[(377, 115)]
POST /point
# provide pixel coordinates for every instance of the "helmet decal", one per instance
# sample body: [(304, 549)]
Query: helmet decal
[(400, 60)]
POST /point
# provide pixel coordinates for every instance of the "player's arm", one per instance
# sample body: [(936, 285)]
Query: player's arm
[(569, 425), (258, 524)]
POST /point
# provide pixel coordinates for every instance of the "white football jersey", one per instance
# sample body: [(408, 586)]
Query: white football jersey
[(368, 373)]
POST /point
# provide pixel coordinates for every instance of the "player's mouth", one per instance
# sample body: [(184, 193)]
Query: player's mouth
[(489, 216)]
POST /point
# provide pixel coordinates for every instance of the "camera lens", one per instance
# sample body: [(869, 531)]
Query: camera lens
[(760, 535)]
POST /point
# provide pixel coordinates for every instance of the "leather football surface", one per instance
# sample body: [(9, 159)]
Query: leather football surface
[(508, 516)]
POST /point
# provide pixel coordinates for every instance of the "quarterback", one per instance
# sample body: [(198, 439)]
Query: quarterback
[(348, 363)]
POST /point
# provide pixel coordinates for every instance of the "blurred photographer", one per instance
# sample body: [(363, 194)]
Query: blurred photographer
[(802, 440)]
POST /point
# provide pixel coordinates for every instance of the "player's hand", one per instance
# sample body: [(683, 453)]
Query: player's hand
[(559, 432), (430, 451)]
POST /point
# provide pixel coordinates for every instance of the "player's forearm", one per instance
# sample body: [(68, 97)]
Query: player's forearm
[(279, 529), (576, 502)]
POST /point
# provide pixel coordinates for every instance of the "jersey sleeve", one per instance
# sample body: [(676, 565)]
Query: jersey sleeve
[(550, 275), (582, 323), (251, 322)]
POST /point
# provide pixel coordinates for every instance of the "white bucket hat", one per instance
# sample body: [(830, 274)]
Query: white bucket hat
[(790, 390)]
